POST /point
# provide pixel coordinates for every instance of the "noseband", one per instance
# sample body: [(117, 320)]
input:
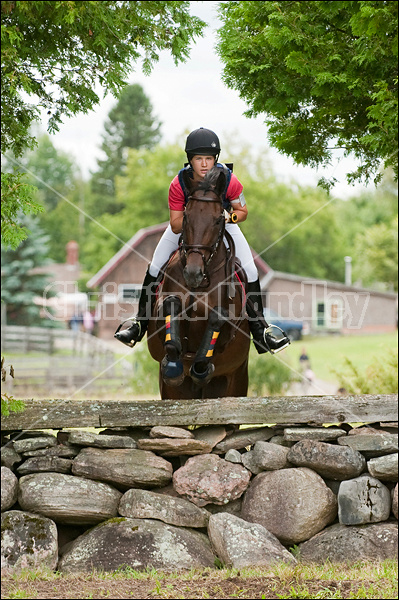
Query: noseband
[(187, 249)]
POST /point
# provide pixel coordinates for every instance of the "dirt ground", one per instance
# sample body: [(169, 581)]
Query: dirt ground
[(207, 586)]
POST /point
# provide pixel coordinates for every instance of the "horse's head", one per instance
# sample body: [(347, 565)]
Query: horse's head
[(203, 225)]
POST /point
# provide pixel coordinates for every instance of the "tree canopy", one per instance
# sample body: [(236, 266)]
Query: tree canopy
[(56, 53), (324, 74)]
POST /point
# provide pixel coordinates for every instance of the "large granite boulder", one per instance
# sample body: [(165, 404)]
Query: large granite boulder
[(293, 504), (384, 468), (139, 544), (68, 499), (240, 544), (209, 479), (329, 460), (363, 500), (340, 543), (9, 488), (125, 468), (143, 504), (28, 541)]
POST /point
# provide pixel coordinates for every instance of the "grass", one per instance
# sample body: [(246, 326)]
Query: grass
[(359, 580), (328, 353)]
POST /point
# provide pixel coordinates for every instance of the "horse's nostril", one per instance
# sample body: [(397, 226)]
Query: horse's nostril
[(193, 276)]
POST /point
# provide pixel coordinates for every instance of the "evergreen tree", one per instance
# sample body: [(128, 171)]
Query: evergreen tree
[(130, 124), (20, 284)]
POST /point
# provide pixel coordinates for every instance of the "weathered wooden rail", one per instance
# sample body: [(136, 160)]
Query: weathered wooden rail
[(59, 413)]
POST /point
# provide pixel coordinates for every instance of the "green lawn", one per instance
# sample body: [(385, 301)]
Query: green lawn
[(329, 352)]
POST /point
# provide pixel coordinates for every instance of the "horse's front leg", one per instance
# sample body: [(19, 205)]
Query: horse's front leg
[(171, 365), (202, 369)]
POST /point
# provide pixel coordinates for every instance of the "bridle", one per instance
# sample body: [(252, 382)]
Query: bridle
[(187, 249)]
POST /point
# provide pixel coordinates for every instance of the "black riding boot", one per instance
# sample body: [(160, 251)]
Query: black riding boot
[(135, 332), (263, 339)]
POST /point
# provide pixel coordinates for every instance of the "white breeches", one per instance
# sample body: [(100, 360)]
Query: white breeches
[(169, 242)]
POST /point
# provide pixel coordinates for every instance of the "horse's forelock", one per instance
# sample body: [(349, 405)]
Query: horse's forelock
[(210, 179)]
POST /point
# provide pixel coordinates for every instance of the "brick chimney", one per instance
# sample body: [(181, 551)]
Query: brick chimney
[(72, 253)]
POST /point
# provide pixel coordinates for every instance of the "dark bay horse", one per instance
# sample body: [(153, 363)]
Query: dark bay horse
[(198, 331)]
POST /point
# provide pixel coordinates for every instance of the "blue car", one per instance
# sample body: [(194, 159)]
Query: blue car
[(292, 328)]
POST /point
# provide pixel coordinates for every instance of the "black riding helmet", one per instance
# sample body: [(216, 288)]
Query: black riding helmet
[(202, 141)]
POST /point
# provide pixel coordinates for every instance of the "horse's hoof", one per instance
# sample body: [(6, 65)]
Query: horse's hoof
[(202, 377), (172, 372)]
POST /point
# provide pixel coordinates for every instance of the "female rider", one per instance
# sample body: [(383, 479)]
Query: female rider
[(202, 149)]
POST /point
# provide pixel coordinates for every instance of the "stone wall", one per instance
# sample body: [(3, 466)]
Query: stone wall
[(175, 497)]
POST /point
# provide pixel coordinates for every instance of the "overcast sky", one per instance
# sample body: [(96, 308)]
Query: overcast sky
[(186, 97)]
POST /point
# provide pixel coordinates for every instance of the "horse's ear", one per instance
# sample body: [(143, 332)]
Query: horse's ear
[(188, 181), (220, 184)]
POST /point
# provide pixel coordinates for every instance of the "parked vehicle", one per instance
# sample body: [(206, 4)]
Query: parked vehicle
[(291, 327)]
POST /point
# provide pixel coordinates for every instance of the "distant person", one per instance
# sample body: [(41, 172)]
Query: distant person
[(304, 361), (88, 322), (76, 322)]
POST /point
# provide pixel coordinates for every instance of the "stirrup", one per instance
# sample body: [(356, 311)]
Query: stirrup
[(125, 337), (273, 344)]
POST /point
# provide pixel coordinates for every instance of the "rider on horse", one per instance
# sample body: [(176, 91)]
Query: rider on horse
[(202, 149)]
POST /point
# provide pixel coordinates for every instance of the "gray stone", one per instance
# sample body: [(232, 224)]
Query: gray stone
[(371, 444), (243, 438), (61, 450), (233, 508), (170, 432), (233, 456), (330, 461), (125, 468), (249, 462), (34, 443), (86, 438), (281, 441), (207, 478), (321, 434), (240, 544), (395, 501), (293, 504), (9, 457), (213, 434), (68, 499), (49, 464), (384, 468), (28, 541), (270, 457), (9, 488), (343, 544), (142, 504), (363, 500), (139, 544), (175, 446)]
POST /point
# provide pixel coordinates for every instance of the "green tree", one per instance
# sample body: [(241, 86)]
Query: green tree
[(59, 190), (324, 74), (368, 226), (130, 124), (376, 255), (56, 53), (143, 192), (21, 279)]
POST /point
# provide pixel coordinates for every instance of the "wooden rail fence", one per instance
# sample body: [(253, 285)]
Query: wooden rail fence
[(59, 413)]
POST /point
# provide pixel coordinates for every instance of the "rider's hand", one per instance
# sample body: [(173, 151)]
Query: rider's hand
[(227, 216)]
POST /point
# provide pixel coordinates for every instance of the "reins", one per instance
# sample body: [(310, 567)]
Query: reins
[(187, 249)]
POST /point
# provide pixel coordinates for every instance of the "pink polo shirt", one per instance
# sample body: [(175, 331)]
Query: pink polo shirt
[(177, 199)]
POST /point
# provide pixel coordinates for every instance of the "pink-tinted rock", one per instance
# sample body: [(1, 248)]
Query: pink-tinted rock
[(206, 479)]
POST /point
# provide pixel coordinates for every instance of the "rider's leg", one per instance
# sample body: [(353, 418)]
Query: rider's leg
[(263, 339), (167, 244)]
